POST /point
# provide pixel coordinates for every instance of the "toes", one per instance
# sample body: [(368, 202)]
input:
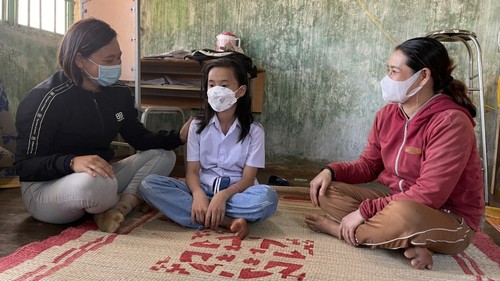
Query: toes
[(410, 253), (109, 221)]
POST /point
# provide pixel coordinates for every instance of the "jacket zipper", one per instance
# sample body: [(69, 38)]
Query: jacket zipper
[(99, 114), (399, 154)]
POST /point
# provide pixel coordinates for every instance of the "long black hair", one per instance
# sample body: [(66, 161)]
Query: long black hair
[(243, 105), (424, 52)]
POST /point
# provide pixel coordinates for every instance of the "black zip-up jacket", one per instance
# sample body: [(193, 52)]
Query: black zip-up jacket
[(59, 120)]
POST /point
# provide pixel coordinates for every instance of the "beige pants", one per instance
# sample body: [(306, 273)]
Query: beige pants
[(401, 224)]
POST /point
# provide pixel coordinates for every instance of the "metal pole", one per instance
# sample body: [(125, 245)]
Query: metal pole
[(481, 111), (137, 68), (55, 16), (40, 14), (11, 12), (29, 14), (70, 10)]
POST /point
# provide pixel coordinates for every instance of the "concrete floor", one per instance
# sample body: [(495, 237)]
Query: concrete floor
[(18, 228)]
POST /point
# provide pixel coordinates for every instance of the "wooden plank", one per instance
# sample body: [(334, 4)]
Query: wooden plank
[(258, 91), (10, 182), (496, 153)]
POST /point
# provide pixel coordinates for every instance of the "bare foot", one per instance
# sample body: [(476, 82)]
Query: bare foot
[(110, 220), (238, 226), (321, 223), (421, 257)]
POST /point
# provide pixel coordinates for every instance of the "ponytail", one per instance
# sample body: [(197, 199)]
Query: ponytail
[(457, 90)]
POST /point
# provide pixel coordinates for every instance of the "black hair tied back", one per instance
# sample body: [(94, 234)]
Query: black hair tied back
[(448, 81)]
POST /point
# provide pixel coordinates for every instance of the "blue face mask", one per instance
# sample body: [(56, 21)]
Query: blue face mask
[(108, 74)]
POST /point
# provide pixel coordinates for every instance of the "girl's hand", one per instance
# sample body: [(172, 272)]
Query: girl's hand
[(319, 185), (216, 210), (199, 208), (348, 226), (92, 165)]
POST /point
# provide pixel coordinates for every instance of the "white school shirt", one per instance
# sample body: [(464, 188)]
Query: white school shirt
[(223, 155)]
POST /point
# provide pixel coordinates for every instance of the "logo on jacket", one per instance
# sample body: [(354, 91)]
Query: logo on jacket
[(119, 116), (413, 150)]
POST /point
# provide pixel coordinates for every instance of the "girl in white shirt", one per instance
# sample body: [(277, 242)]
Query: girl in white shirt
[(225, 149)]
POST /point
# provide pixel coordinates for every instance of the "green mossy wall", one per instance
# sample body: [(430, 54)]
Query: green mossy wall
[(323, 59), (27, 57)]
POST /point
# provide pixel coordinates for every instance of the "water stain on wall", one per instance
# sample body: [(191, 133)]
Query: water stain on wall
[(27, 57), (323, 59)]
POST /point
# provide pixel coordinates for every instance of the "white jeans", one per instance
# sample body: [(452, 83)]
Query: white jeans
[(68, 198)]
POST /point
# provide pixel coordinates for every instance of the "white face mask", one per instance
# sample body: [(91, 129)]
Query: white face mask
[(221, 98), (396, 91)]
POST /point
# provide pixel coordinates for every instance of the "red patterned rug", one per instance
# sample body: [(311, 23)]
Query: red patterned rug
[(150, 247)]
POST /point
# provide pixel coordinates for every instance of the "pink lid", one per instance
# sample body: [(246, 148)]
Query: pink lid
[(228, 33)]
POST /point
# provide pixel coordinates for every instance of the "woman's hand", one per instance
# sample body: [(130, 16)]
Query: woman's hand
[(319, 185), (92, 165), (216, 210), (183, 133), (348, 226), (199, 208)]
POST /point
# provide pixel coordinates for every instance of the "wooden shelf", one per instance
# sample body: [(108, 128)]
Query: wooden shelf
[(186, 72)]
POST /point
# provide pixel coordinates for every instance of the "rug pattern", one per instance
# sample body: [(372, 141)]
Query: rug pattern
[(150, 247)]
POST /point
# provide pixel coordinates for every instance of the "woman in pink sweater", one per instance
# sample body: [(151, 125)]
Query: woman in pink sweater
[(422, 146)]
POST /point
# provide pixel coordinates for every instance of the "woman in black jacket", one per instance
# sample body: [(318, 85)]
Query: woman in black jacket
[(66, 125)]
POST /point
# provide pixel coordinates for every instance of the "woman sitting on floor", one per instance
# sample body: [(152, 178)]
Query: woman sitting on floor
[(423, 147)]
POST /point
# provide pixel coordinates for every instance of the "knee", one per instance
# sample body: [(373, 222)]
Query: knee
[(154, 182), (168, 154), (98, 192), (98, 185), (405, 211), (162, 154), (103, 190), (332, 193), (272, 197), (266, 192), (165, 154), (165, 160), (268, 197), (150, 181)]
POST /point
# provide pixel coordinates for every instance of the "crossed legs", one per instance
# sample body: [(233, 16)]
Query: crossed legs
[(413, 226)]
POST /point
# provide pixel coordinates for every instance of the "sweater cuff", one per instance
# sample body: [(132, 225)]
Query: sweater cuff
[(332, 172), (67, 163), (362, 212)]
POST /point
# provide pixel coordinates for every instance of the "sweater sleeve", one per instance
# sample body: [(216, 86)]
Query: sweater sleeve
[(37, 129), (449, 144)]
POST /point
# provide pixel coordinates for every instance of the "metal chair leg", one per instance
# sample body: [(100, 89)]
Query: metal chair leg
[(465, 36)]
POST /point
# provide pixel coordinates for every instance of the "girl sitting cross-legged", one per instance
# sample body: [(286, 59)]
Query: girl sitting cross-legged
[(225, 149)]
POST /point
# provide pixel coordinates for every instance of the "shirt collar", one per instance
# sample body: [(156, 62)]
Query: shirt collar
[(215, 122)]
